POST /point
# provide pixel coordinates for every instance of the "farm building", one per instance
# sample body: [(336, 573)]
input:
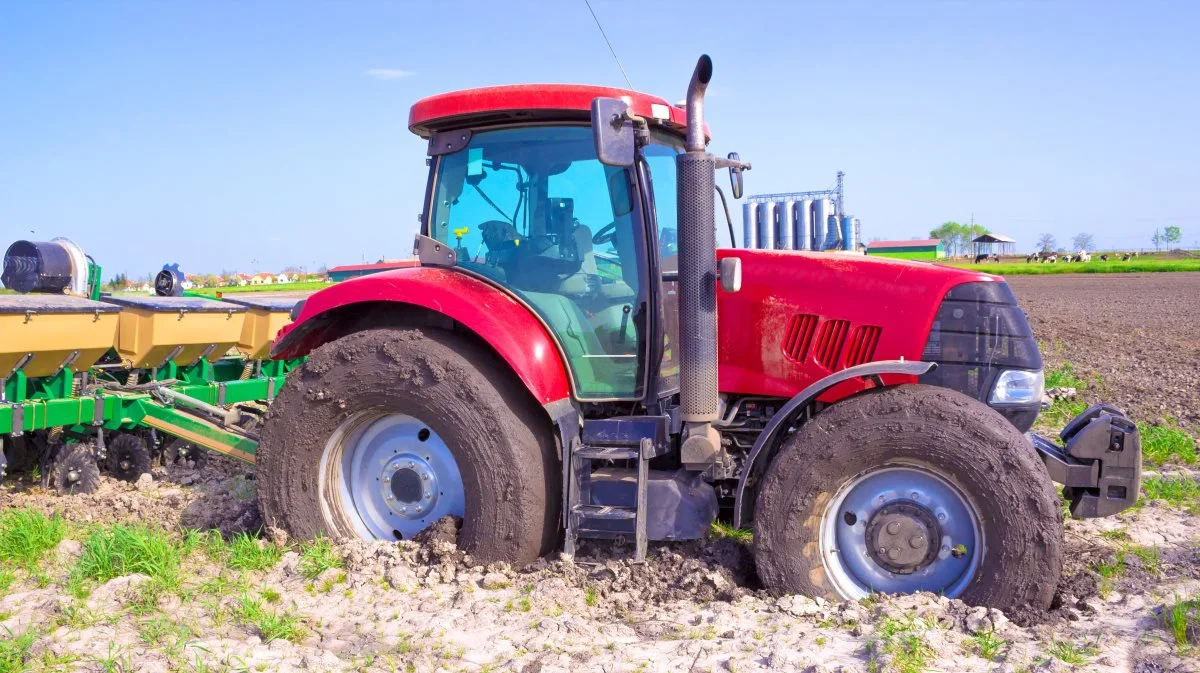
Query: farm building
[(347, 271), (923, 248)]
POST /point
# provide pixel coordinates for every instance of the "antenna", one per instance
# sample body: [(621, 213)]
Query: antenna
[(610, 47)]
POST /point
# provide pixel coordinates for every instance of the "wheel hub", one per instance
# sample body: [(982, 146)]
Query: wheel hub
[(409, 486), (903, 537)]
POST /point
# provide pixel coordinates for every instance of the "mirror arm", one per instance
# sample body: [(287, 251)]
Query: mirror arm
[(730, 163), (728, 219)]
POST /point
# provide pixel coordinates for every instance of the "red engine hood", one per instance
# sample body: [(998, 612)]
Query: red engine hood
[(802, 315)]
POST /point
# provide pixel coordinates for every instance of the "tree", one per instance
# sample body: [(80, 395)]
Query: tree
[(1046, 243), (951, 234), (1083, 241), (1158, 239), (117, 282), (1172, 235)]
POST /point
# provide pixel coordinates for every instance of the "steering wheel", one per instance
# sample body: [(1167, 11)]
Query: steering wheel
[(605, 235)]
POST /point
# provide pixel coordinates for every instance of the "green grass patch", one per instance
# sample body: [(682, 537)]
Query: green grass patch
[(317, 556), (1063, 376), (1181, 491), (1073, 653), (1176, 617), (903, 642), (277, 287), (270, 624), (1166, 442), (26, 535), (14, 650), (1109, 571), (117, 550), (987, 645), (1138, 265), (720, 529), (1060, 413), (247, 552)]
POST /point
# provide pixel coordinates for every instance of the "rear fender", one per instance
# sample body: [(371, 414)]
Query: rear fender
[(768, 442), (440, 296)]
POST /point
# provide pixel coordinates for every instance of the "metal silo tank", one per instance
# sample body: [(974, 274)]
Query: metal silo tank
[(749, 225), (849, 239), (822, 208), (803, 237), (786, 211), (766, 225)]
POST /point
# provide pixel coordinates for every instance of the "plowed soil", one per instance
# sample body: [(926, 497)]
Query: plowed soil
[(1140, 333)]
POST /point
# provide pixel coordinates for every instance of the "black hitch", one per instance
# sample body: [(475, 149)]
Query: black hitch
[(1099, 462)]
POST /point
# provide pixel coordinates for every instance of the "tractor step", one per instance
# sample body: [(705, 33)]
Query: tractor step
[(635, 438)]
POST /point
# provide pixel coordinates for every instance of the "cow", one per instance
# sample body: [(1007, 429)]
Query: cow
[(1103, 258)]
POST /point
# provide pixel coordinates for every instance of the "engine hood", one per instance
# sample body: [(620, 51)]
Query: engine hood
[(802, 315)]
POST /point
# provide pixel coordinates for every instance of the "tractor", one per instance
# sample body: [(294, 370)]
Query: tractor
[(574, 358)]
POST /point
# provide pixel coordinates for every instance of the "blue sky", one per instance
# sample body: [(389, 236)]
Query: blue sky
[(226, 135)]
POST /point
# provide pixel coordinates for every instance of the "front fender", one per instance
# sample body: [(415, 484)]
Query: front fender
[(510, 328), (764, 448)]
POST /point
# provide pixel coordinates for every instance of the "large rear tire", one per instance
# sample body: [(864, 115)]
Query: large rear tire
[(383, 431), (912, 488)]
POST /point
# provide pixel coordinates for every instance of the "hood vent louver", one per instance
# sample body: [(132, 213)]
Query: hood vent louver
[(862, 345), (799, 336), (830, 341)]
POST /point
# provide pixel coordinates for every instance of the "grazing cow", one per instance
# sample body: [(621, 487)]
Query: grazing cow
[(1033, 257), (1052, 258), (980, 257), (1083, 256), (995, 258), (1103, 258), (1125, 257)]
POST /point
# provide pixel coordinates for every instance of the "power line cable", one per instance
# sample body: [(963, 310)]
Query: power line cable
[(610, 47)]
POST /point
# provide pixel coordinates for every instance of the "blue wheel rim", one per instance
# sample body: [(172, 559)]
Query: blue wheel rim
[(852, 567), (388, 476)]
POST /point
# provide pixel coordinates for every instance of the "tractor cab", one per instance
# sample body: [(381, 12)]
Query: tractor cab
[(520, 196)]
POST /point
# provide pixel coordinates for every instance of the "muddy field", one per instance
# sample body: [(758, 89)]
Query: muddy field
[(423, 606), (1138, 332)]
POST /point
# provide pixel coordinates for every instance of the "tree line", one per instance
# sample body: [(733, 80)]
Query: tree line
[(957, 237), (1166, 237)]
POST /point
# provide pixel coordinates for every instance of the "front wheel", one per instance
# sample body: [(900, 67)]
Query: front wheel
[(382, 432), (913, 488)]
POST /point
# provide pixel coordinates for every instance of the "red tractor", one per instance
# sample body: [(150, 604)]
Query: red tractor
[(555, 369)]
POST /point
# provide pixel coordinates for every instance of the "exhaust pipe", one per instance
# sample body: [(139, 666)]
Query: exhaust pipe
[(697, 282)]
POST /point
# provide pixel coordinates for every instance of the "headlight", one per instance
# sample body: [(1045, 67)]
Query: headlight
[(1018, 386)]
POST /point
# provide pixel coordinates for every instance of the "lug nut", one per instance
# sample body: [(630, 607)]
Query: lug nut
[(893, 553), (916, 541), (941, 516), (945, 547), (893, 528), (915, 495)]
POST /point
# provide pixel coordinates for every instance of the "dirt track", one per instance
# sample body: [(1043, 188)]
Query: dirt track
[(694, 607), (1139, 332)]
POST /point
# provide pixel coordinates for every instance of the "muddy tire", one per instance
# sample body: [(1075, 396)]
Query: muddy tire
[(128, 457), (925, 462), (455, 392), (75, 470)]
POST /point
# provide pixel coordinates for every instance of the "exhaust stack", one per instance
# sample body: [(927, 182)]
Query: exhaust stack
[(697, 282)]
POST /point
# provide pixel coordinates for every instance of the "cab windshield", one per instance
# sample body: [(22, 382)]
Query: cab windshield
[(534, 210)]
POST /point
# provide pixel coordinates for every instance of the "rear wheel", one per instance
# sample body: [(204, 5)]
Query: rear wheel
[(913, 488), (75, 470), (382, 432), (128, 457)]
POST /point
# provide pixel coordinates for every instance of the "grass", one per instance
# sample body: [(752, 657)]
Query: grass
[(1139, 265), (988, 645), (247, 552), (903, 641), (270, 624), (14, 650), (1178, 616), (1071, 653), (720, 529), (1181, 491), (316, 557), (1109, 571), (277, 287), (117, 550), (1166, 442), (26, 535)]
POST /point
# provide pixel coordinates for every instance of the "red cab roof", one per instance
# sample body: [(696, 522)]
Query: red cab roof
[(530, 102)]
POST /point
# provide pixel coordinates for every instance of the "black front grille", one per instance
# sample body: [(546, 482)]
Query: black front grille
[(979, 331)]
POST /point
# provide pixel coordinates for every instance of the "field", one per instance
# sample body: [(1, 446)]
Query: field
[(169, 575), (277, 287), (1138, 265)]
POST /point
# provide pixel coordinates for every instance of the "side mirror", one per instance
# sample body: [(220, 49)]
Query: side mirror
[(612, 131), (735, 175), (731, 274)]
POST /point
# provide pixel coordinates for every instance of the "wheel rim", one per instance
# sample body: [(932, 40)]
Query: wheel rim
[(388, 476), (900, 529)]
